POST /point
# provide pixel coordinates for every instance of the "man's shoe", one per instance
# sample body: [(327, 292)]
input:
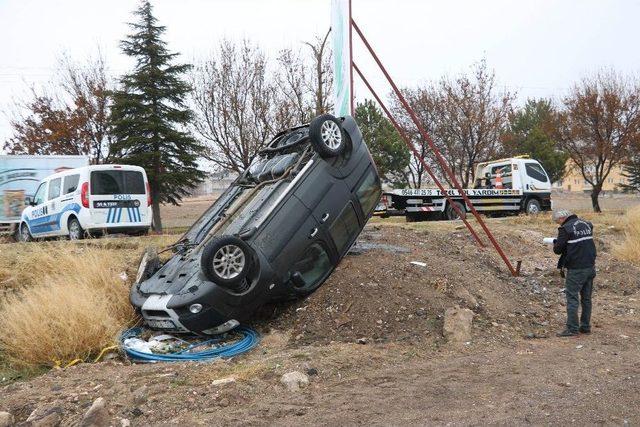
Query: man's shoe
[(585, 331), (567, 333)]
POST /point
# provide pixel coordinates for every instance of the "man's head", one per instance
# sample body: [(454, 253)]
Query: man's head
[(559, 216)]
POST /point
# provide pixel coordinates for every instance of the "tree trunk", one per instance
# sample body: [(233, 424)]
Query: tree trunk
[(595, 192), (155, 208)]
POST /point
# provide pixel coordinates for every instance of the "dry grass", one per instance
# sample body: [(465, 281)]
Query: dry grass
[(629, 248), (64, 301)]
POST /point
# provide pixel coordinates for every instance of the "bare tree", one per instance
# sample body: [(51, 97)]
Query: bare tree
[(237, 105), (321, 81), (306, 82), (89, 87), (464, 116), (290, 80), (472, 116), (600, 122), (240, 102), (423, 101), (68, 116)]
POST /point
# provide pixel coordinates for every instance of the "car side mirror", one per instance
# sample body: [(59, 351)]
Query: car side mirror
[(487, 175), (298, 280)]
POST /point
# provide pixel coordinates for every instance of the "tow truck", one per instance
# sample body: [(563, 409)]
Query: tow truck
[(501, 187)]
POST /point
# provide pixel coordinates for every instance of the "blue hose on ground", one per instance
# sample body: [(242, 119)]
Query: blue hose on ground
[(249, 340)]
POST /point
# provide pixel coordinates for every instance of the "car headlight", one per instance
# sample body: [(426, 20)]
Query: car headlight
[(195, 308)]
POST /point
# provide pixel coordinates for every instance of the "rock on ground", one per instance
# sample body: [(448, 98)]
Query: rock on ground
[(457, 324), (294, 380), (223, 381), (140, 395), (6, 419), (469, 300), (97, 415), (49, 416)]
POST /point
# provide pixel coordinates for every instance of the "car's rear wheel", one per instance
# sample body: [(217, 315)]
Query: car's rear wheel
[(75, 229), (327, 137), (226, 261), (25, 234)]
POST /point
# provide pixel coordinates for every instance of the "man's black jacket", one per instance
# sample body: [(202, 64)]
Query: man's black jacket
[(575, 244)]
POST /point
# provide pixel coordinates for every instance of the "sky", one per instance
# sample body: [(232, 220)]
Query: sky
[(536, 47)]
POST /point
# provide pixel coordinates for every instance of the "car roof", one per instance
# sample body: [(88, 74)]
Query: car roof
[(91, 168)]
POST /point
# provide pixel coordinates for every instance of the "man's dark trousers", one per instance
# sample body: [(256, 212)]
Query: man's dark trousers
[(578, 289)]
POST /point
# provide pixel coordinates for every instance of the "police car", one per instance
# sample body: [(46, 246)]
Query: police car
[(89, 200)]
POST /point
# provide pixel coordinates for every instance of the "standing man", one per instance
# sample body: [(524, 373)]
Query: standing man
[(577, 253)]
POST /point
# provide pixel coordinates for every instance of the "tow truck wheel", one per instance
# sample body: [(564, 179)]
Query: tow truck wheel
[(452, 214), (226, 261), (532, 207), (327, 136), (25, 235)]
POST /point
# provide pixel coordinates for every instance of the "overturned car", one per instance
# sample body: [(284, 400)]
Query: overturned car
[(276, 233)]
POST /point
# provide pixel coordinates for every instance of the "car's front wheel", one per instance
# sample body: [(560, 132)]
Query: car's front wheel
[(25, 234), (327, 136), (533, 207), (226, 261)]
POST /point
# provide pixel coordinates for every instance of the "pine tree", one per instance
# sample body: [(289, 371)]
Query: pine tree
[(631, 171), (531, 132), (149, 115), (388, 150)]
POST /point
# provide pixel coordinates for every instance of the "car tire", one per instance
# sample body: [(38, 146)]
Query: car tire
[(452, 214), (532, 207), (75, 229), (24, 233), (226, 261), (147, 266), (327, 136)]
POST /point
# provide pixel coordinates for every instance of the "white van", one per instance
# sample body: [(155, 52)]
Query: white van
[(90, 200)]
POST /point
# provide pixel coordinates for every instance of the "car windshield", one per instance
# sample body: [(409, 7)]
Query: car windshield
[(249, 200)]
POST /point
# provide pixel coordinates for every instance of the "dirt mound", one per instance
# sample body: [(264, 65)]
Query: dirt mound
[(399, 286)]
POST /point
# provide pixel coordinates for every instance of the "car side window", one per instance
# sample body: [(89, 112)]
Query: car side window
[(535, 171), (369, 192), (70, 184), (39, 196), (345, 228), (314, 264), (54, 188)]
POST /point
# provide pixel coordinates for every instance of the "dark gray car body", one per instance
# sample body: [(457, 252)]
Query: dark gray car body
[(298, 212)]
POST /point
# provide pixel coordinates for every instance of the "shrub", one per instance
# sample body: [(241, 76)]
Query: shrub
[(629, 248), (66, 301)]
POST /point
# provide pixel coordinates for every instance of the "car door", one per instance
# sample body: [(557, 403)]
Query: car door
[(536, 179), (325, 196), (289, 230), (38, 215), (311, 267), (118, 197), (53, 205)]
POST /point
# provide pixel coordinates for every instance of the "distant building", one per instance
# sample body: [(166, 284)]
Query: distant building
[(574, 182), (214, 183)]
